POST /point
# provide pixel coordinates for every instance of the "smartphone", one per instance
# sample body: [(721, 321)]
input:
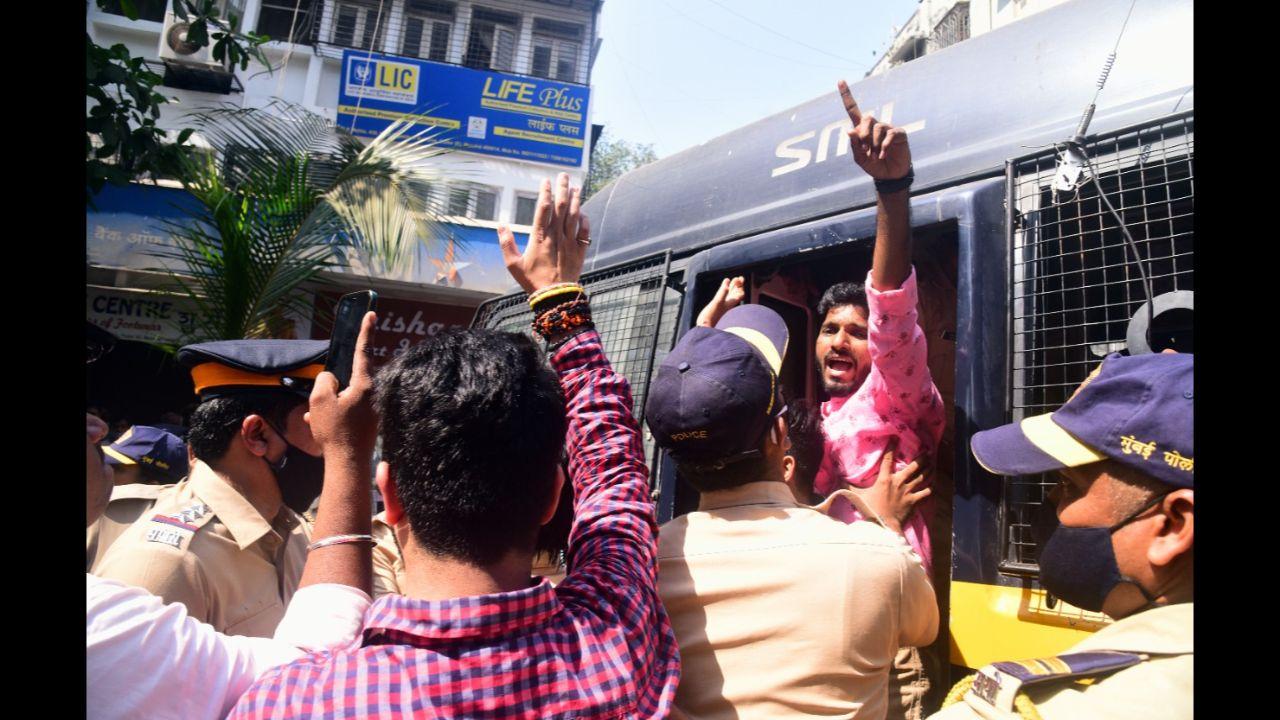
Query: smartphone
[(347, 318)]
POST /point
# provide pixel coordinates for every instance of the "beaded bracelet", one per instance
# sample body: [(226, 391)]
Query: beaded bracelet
[(563, 317), (545, 301)]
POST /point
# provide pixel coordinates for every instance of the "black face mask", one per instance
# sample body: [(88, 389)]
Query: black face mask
[(299, 474), (1078, 564)]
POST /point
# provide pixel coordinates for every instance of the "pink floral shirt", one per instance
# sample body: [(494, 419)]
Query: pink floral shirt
[(898, 399)]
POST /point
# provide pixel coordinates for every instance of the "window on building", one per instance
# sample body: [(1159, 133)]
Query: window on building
[(358, 24), (427, 26), (459, 201), (289, 20), (910, 50), (556, 46), (477, 202), (492, 42), (147, 9), (951, 29), (525, 205)]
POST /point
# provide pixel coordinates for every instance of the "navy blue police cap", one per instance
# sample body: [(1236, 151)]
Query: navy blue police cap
[(716, 393), (225, 367), (150, 447), (1137, 410)]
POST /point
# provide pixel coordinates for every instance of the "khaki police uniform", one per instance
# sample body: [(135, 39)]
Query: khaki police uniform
[(128, 503), (204, 545), (1139, 667), (388, 561)]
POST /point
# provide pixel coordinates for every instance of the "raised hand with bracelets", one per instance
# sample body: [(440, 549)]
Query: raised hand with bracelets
[(552, 262)]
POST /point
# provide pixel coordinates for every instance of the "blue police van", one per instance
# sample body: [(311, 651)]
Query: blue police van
[(1026, 281)]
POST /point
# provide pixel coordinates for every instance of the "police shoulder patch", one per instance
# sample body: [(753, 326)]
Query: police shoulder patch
[(998, 684), (172, 529)]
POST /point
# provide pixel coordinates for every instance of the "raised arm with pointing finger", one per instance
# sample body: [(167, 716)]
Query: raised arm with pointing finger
[(883, 410), (871, 351)]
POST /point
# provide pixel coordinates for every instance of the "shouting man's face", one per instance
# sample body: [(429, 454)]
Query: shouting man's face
[(843, 357)]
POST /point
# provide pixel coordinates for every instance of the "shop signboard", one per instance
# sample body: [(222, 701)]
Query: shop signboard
[(125, 227), (401, 323), (126, 230), (141, 316), (491, 113)]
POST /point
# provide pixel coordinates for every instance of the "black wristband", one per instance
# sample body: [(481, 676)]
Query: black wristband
[(892, 186), (554, 346)]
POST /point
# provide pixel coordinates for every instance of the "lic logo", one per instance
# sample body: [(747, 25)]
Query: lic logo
[(361, 72)]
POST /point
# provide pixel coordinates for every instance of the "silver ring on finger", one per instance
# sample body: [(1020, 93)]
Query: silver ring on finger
[(584, 242)]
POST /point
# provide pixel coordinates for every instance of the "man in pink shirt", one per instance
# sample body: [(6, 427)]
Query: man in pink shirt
[(872, 356), (873, 362)]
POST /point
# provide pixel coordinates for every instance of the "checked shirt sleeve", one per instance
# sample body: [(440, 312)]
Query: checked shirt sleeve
[(611, 585), (614, 525)]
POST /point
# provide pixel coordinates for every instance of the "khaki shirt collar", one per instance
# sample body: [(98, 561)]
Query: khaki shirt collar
[(1166, 630), (768, 492), (244, 521)]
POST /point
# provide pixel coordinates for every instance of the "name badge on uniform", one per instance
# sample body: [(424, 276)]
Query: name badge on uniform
[(168, 536)]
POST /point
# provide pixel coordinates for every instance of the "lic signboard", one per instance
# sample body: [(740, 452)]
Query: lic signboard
[(477, 111)]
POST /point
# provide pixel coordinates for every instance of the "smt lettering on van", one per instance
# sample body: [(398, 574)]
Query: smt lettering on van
[(796, 149)]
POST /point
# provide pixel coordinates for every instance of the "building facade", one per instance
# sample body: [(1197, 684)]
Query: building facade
[(507, 81), (937, 24)]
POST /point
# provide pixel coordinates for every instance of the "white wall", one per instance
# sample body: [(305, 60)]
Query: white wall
[(311, 79)]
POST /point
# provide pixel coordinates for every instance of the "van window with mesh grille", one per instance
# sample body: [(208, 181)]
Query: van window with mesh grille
[(1076, 287)]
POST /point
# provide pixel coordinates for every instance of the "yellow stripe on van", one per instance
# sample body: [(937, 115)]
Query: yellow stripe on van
[(990, 623)]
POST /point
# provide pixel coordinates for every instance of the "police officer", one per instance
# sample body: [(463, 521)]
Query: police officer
[(228, 541), (1123, 545), (143, 460)]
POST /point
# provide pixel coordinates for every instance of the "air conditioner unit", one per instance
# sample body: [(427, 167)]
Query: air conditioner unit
[(173, 37), (174, 45)]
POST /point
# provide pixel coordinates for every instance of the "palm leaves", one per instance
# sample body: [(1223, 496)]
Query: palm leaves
[(286, 195)]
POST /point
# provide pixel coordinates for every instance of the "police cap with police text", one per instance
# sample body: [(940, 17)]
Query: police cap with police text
[(150, 447), (1137, 410), (717, 392), (226, 367)]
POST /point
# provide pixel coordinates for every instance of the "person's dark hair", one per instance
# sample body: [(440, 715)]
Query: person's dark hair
[(804, 428), (840, 294), (216, 421), (473, 424)]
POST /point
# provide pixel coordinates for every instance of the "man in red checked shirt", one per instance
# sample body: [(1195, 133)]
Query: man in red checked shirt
[(473, 424)]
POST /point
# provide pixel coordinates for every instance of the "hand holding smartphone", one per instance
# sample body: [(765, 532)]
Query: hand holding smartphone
[(347, 317)]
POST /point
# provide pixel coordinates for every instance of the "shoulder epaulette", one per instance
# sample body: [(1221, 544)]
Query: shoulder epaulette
[(999, 684)]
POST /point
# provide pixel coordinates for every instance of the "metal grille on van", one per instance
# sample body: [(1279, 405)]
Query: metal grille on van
[(1074, 287), (632, 308)]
